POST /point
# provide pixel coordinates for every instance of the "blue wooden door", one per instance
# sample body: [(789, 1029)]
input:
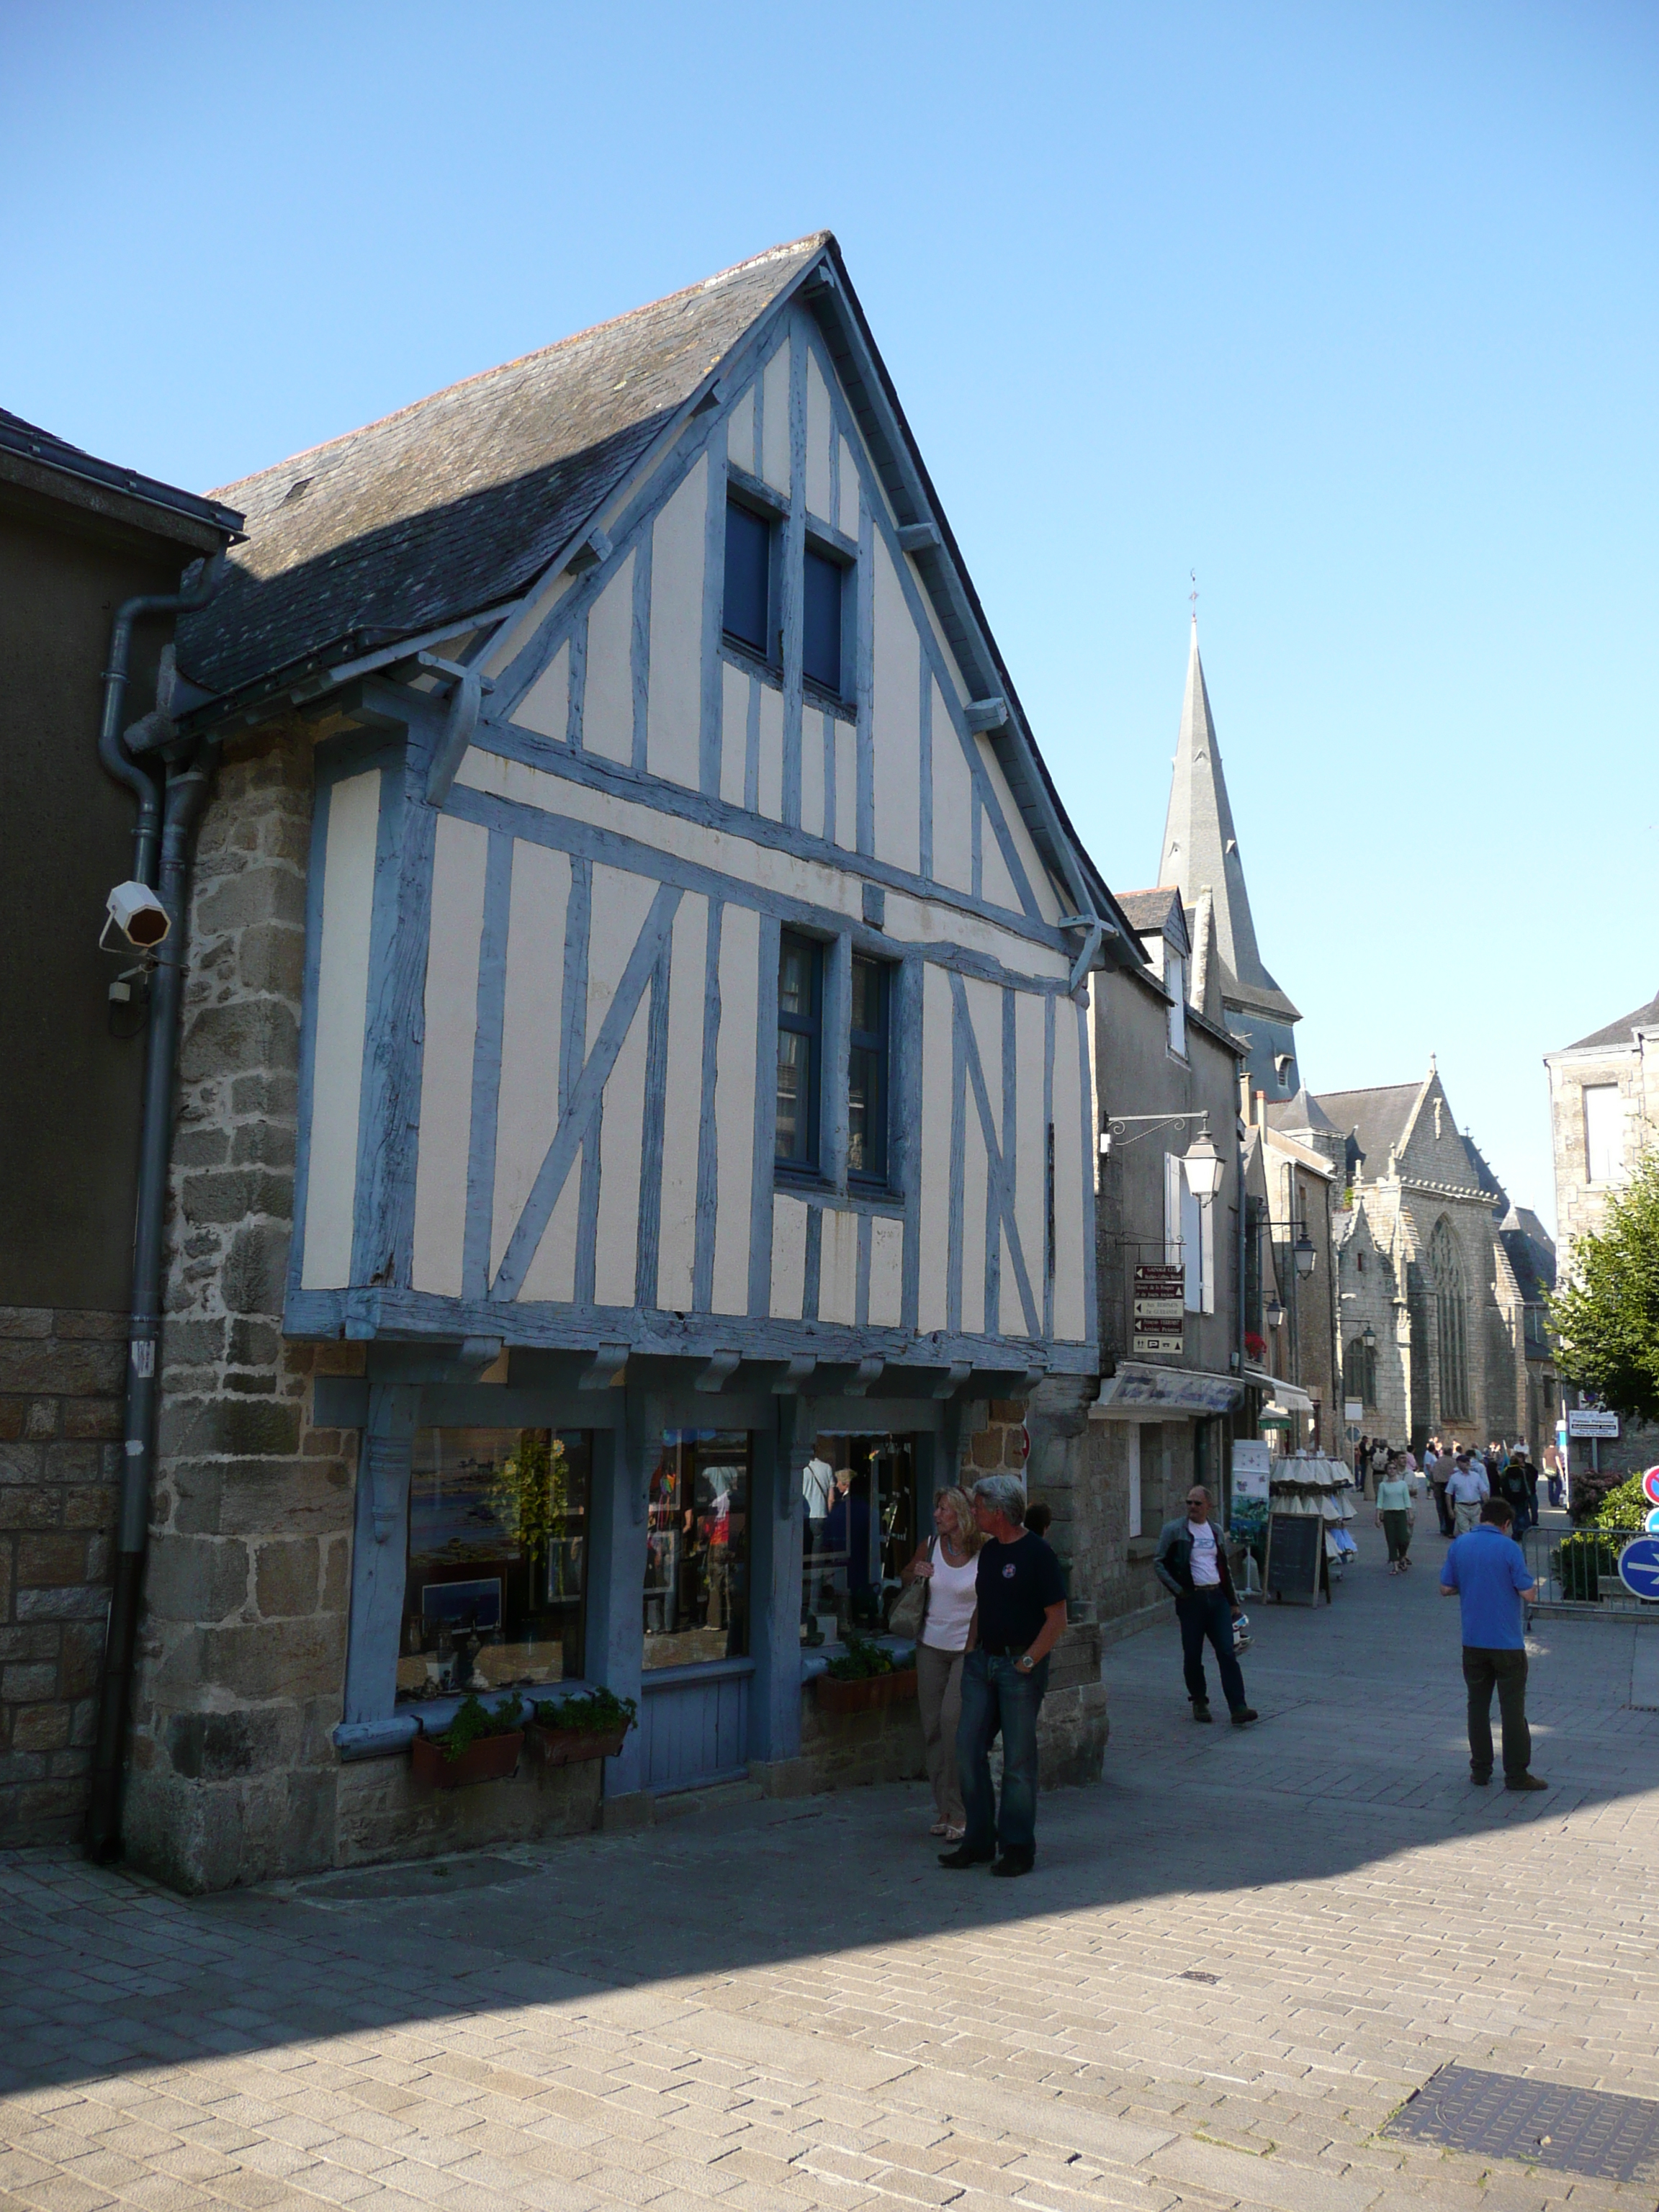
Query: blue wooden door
[(693, 1723)]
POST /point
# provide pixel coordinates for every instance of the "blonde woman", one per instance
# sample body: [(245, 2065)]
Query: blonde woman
[(947, 1562)]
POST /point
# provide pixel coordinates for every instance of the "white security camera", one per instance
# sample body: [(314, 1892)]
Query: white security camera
[(138, 915)]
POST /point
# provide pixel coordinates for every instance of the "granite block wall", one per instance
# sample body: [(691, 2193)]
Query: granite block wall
[(61, 1375)]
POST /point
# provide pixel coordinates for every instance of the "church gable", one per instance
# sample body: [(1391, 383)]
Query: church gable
[(1432, 1149), (750, 628)]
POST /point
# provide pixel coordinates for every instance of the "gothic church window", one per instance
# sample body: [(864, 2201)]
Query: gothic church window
[(1451, 1321)]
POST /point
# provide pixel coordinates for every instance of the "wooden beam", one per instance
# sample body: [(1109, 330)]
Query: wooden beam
[(986, 713), (919, 538)]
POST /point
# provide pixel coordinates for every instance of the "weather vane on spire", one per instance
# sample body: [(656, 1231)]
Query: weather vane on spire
[(1193, 594)]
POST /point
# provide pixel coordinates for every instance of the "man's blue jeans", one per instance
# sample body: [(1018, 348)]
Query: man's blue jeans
[(996, 1697), (1206, 1613)]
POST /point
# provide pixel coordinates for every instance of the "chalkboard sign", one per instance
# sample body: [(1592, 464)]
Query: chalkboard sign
[(1296, 1558)]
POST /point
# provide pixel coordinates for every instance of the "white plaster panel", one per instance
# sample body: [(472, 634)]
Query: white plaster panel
[(771, 753), (608, 698), (1070, 1257), (527, 1115), (886, 1272), (459, 860), (896, 736), (996, 884), (845, 827), (788, 1257), (953, 803), (734, 733), (354, 818), (775, 426), (838, 1268), (676, 1242), (849, 491), (736, 1070), (621, 1166), (504, 649), (1037, 872), (916, 921), (1031, 1190), (819, 434), (545, 707), (811, 772), (674, 701), (551, 1278), (740, 431), (935, 1045), (985, 1016)]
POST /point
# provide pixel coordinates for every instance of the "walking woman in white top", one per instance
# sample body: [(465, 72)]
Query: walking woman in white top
[(947, 1563)]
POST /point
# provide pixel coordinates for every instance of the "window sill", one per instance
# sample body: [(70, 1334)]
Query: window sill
[(751, 660), (814, 693), (1141, 1548)]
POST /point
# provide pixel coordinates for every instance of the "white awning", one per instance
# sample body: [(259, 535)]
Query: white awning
[(1285, 1396), (1137, 1391)]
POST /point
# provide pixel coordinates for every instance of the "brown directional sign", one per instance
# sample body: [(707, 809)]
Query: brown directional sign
[(1160, 1309)]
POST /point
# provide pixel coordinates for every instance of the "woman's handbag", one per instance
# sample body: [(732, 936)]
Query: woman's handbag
[(909, 1615)]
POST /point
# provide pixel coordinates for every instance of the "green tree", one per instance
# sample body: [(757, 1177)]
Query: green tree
[(1606, 1318)]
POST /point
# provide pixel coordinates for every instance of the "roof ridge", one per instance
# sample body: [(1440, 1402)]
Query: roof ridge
[(817, 239)]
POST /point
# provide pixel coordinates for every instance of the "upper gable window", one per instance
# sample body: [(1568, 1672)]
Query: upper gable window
[(821, 643), (1175, 983), (747, 613), (1604, 1133), (866, 1072)]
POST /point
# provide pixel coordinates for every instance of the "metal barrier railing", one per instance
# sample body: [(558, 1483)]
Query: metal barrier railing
[(1577, 1571)]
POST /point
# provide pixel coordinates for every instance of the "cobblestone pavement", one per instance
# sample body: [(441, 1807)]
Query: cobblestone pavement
[(1236, 1958)]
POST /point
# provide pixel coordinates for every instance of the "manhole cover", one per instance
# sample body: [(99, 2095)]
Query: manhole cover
[(1586, 2131)]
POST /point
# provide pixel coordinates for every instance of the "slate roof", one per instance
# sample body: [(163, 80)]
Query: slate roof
[(1615, 1033), (1148, 912), (1531, 1253), (1201, 849), (1377, 1119), (1484, 1174), (28, 453), (458, 503), (1302, 1112)]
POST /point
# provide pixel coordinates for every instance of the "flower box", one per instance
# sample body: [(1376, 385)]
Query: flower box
[(488, 1759), (565, 1746), (866, 1693)]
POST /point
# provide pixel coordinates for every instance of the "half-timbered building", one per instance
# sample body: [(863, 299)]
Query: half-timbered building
[(634, 911)]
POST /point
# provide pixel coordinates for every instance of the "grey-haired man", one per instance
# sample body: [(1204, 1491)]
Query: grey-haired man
[(1018, 1618)]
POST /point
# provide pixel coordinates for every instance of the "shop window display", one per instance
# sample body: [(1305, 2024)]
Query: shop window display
[(495, 1587), (859, 1498), (696, 1564)]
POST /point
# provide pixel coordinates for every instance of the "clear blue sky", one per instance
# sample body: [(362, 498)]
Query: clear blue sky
[(1350, 309)]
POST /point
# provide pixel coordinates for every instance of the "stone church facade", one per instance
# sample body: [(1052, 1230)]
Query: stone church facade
[(1433, 1316)]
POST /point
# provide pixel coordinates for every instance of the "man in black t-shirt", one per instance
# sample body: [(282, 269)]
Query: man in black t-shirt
[(1019, 1617)]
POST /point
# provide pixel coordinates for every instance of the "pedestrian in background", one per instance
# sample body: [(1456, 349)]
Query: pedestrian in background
[(1191, 1561), (1487, 1573), (1467, 1492), (1019, 1615), (1394, 1513), (1512, 1485), (1438, 1466), (1553, 1473), (1362, 1461), (948, 1564), (1379, 1460)]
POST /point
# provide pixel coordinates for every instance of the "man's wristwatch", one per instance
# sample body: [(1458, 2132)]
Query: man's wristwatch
[(1025, 1663)]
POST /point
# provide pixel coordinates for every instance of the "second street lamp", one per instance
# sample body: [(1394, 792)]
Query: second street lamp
[(1202, 1165)]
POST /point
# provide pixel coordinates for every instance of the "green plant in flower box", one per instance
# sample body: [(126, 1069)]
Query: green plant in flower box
[(597, 1712), (476, 1721), (863, 1660)]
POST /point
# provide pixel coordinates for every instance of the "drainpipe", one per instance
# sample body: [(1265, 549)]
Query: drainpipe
[(168, 807)]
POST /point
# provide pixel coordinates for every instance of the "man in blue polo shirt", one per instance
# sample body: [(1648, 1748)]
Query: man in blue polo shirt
[(1487, 1570)]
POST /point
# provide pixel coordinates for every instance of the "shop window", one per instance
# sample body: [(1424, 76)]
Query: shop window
[(800, 1041), (494, 1589), (696, 1559), (866, 1072), (863, 1523)]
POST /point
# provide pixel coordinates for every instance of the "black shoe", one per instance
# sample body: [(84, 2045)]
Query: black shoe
[(1201, 1710), (1480, 1776), (1244, 1715), (968, 1855), (1524, 1781), (1013, 1863)]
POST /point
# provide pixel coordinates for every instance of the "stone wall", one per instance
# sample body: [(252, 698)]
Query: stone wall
[(61, 1375)]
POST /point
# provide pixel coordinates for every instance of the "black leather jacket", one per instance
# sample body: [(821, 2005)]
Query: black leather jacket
[(1173, 1561)]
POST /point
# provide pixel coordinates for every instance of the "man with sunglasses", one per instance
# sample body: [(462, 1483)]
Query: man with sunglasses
[(1192, 1563)]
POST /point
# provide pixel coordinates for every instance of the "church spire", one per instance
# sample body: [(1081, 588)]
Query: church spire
[(1200, 851)]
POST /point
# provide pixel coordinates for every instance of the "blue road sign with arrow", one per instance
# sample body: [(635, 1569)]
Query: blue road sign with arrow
[(1638, 1567)]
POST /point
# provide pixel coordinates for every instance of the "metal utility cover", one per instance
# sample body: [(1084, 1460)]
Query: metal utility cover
[(1589, 2131)]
